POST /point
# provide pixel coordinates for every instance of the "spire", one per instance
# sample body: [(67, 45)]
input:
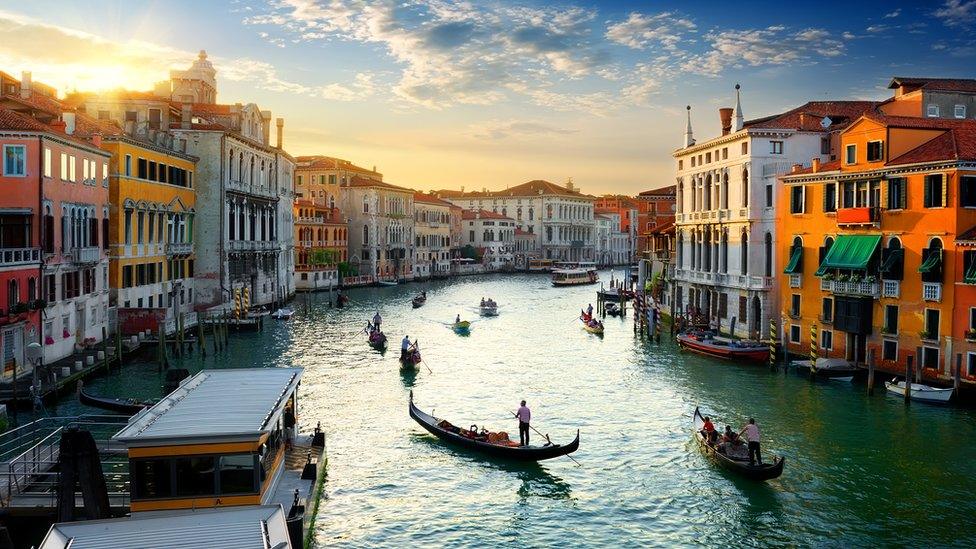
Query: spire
[(738, 122), (689, 137)]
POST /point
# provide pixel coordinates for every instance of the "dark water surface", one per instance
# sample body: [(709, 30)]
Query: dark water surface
[(860, 471)]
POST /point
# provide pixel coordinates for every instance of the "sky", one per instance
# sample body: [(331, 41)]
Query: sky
[(490, 94)]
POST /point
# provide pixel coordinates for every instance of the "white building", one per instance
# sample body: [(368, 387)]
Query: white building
[(561, 216), (725, 217), (432, 220), (381, 228), (491, 233), (613, 245)]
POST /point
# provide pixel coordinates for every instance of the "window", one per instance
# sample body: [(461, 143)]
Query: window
[(972, 318), (830, 197), (827, 340), (967, 191), (72, 165), (898, 193), (875, 151), (930, 357), (103, 115), (194, 476), (681, 165), (932, 111), (155, 119), (824, 145), (769, 254), (890, 320), (64, 167), (775, 147), (827, 310), (935, 191), (795, 305), (14, 160), (47, 163), (959, 111), (797, 195), (130, 116), (365, 235), (237, 474), (708, 157), (745, 147), (692, 161), (971, 364), (725, 153), (850, 154), (152, 478), (889, 350), (769, 196), (931, 330), (794, 333)]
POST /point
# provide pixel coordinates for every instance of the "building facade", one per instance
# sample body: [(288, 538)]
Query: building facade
[(381, 228), (654, 209), (492, 235), (321, 233), (432, 220), (725, 220), (627, 212)]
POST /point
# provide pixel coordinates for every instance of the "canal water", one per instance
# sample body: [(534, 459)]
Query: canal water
[(860, 471)]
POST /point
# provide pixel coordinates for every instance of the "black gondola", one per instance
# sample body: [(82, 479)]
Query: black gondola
[(419, 301), (521, 453), (765, 471), (129, 406)]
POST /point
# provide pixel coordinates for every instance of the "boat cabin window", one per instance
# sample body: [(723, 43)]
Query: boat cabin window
[(237, 474), (151, 478), (194, 476)]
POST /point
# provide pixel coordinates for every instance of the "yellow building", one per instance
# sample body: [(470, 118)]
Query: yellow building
[(151, 230)]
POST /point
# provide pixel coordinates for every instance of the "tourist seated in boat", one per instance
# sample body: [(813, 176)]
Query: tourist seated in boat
[(731, 436), (483, 302), (709, 432)]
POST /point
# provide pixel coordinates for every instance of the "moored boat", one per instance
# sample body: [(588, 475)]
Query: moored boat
[(732, 460), (614, 294), (494, 444), (574, 277), (283, 314), (386, 282), (919, 392), (706, 344), (613, 309), (128, 406), (833, 369)]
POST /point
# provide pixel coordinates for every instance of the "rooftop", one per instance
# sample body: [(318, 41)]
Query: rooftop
[(232, 528), (808, 117), (356, 181), (482, 214), (237, 404), (965, 85), (535, 187), (320, 162), (430, 199)]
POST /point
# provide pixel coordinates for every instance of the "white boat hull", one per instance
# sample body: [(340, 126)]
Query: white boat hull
[(922, 393)]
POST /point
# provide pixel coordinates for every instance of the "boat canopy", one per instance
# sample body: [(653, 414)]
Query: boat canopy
[(850, 252), (795, 265), (931, 263)]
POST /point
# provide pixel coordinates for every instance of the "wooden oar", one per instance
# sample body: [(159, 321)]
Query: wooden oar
[(547, 438)]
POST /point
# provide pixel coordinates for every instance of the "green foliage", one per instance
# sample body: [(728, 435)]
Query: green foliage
[(470, 252), (323, 257), (345, 269)]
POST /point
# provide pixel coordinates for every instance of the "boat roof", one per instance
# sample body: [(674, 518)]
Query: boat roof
[(256, 526), (234, 404), (572, 271)]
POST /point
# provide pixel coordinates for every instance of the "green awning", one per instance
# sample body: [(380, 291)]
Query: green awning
[(793, 266), (970, 277), (850, 252), (892, 259), (931, 262)]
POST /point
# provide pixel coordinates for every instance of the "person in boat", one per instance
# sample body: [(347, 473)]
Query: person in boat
[(524, 416), (589, 310), (289, 421), (751, 431), (708, 430), (457, 319), (730, 436), (377, 320), (483, 302), (405, 348)]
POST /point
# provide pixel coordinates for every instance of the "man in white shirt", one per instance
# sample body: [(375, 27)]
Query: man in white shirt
[(751, 431), (405, 347), (524, 416)]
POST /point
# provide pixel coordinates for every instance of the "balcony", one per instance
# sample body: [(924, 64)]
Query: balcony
[(868, 289), (179, 248), (890, 288), (11, 257), (87, 254), (932, 291), (858, 216)]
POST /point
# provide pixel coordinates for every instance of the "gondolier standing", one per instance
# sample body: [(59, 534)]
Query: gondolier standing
[(524, 416), (405, 348), (377, 320), (751, 431)]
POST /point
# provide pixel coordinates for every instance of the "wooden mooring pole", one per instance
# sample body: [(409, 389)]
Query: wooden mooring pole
[(908, 379), (203, 341), (871, 358)]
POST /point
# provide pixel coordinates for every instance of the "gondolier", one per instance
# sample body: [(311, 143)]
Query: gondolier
[(751, 431), (524, 416), (405, 348), (377, 320)]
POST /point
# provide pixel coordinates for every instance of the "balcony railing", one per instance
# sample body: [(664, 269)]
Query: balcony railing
[(890, 288), (179, 248), (87, 254), (932, 291), (10, 257), (253, 245), (858, 216), (869, 289)]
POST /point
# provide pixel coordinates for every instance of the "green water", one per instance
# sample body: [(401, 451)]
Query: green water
[(861, 471)]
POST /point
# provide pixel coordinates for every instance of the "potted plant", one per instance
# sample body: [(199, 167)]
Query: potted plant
[(855, 277), (18, 308), (887, 330), (842, 278), (870, 279), (828, 276)]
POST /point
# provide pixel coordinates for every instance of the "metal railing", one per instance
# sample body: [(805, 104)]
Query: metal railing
[(179, 248), (932, 291), (86, 254), (870, 289), (10, 257)]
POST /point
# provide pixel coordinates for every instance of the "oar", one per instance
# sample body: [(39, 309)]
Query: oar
[(547, 439), (424, 362)]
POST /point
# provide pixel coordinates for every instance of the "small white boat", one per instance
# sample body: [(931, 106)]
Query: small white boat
[(922, 393), (833, 369), (283, 314), (488, 310), (386, 282)]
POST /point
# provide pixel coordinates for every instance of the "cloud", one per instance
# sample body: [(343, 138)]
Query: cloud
[(893, 14), (361, 88), (505, 129), (957, 13), (641, 31), (773, 45)]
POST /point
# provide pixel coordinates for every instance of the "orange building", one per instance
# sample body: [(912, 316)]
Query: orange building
[(654, 209), (871, 262)]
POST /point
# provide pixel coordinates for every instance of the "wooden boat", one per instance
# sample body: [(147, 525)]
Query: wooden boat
[(613, 309), (377, 340), (596, 329), (387, 282), (574, 277), (488, 310), (128, 406), (833, 369), (412, 360), (462, 327), (282, 314), (502, 448), (613, 294), (706, 344), (341, 301), (419, 301), (921, 393), (766, 471)]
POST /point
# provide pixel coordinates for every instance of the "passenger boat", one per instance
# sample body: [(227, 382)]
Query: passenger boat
[(462, 327), (377, 340), (574, 277), (539, 266), (833, 369), (128, 406), (921, 393), (706, 344), (341, 301), (488, 310), (735, 463), (419, 300), (495, 444), (412, 360), (282, 314)]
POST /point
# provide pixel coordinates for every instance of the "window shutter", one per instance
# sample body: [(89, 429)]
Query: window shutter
[(903, 191), (927, 202), (803, 199), (945, 190), (826, 206)]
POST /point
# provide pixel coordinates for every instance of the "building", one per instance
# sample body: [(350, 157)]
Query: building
[(660, 260), (952, 98), (72, 210), (243, 233), (381, 228), (725, 214), (432, 220), (627, 211), (876, 254), (561, 216), (654, 208), (526, 248), (492, 236), (614, 245), (321, 231)]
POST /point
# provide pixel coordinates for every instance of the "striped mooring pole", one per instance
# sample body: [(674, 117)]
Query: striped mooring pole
[(813, 348), (245, 300), (237, 303), (772, 343)]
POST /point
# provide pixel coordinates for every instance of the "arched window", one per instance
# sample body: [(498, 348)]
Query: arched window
[(931, 267), (531, 214), (769, 254), (745, 187), (707, 191), (13, 293), (744, 256), (31, 288), (724, 254), (365, 235), (725, 191), (240, 167)]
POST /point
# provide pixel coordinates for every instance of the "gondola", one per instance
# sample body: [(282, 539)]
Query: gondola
[(341, 301), (613, 309), (595, 329), (514, 452), (129, 406), (377, 340), (412, 360), (419, 301), (488, 310), (766, 471)]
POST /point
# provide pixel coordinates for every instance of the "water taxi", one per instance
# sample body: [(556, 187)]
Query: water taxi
[(574, 277)]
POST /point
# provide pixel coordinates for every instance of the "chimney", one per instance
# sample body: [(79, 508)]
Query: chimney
[(374, 168), (58, 126), (725, 116), (25, 84), (69, 122), (280, 122), (796, 167), (96, 139), (815, 163), (186, 116), (462, 188)]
